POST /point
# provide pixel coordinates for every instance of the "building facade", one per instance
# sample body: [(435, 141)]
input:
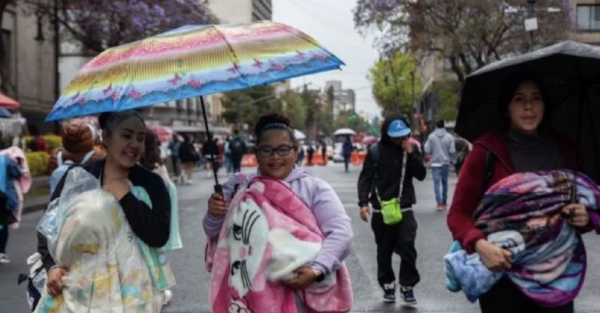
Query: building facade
[(31, 72), (343, 99)]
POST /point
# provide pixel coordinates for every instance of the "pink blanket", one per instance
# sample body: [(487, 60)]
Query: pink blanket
[(268, 233)]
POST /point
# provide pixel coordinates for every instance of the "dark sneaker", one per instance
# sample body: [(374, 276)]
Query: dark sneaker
[(389, 293), (408, 296)]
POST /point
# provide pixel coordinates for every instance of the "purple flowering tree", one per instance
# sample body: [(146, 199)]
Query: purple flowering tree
[(468, 33), (101, 24)]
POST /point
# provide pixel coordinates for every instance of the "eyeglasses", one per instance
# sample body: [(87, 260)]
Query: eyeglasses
[(265, 152)]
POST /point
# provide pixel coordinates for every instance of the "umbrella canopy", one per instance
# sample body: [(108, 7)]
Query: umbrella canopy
[(4, 113), (6, 102), (188, 62), (570, 72), (370, 140), (299, 135), (344, 132), (162, 132)]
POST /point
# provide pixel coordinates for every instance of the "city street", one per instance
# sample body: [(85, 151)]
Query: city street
[(191, 293)]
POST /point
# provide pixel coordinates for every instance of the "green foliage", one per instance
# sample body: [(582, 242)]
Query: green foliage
[(53, 141), (393, 83), (248, 105), (349, 119), (447, 93), (38, 162), (294, 109)]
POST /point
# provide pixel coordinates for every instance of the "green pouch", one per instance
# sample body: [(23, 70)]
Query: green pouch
[(391, 211)]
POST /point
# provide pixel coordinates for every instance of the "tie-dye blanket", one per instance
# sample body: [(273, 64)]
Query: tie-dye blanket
[(110, 270), (522, 214), (268, 233)]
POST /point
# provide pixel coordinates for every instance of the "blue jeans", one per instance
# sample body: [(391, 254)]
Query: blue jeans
[(440, 175)]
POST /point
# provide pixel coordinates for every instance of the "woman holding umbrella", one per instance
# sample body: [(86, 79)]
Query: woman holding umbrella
[(296, 203), (524, 143)]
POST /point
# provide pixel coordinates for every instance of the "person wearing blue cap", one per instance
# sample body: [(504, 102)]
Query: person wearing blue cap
[(440, 145), (388, 163)]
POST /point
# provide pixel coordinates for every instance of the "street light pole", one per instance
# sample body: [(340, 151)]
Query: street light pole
[(531, 16)]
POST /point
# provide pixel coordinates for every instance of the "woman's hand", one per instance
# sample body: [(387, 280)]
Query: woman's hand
[(494, 257), (117, 187), (217, 207), (578, 215), (306, 277), (54, 283)]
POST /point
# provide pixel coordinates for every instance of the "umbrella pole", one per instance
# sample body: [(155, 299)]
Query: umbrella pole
[(218, 188)]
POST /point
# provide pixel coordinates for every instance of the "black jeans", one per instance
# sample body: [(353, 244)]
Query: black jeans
[(399, 238), (506, 297), (236, 162)]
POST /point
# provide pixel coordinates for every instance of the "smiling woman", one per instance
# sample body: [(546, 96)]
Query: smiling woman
[(143, 198), (272, 206)]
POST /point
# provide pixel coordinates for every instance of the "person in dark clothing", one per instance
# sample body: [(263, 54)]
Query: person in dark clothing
[(523, 144), (311, 153), (380, 180), (324, 152), (174, 147), (123, 136), (237, 149), (347, 149), (188, 156), (210, 151)]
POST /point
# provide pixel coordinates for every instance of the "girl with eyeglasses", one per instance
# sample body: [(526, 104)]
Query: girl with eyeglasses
[(276, 153)]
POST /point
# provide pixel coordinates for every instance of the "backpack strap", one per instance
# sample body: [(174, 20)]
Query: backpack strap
[(59, 159), (239, 180), (87, 157), (490, 164)]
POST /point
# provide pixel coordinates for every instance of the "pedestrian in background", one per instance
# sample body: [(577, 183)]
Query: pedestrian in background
[(189, 157), (154, 162), (277, 151), (174, 147), (440, 145), (210, 150), (522, 144), (237, 148), (347, 149), (227, 156), (388, 172)]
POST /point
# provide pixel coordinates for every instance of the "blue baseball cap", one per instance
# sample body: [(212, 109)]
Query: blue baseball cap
[(397, 129)]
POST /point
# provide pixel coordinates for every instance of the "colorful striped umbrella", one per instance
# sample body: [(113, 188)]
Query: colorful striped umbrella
[(188, 62)]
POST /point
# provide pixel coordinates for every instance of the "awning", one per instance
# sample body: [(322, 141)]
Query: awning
[(8, 103)]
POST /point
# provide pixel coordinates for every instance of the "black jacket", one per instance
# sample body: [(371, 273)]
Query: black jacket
[(150, 225), (385, 176), (188, 153)]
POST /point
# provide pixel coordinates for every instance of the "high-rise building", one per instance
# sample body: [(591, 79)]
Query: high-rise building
[(343, 99)]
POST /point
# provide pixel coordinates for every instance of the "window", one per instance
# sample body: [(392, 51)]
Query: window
[(588, 17), (7, 44)]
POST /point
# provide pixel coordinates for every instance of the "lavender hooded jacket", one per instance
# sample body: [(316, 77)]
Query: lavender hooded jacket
[(325, 205)]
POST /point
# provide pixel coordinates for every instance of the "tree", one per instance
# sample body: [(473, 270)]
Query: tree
[(246, 106), (101, 24), (5, 84), (447, 94), (325, 119), (469, 33), (349, 119), (294, 109), (393, 83)]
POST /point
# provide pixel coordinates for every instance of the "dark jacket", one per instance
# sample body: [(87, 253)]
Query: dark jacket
[(151, 225), (385, 177), (188, 153), (470, 187)]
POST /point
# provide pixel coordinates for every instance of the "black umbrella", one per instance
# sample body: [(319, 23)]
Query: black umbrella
[(570, 70)]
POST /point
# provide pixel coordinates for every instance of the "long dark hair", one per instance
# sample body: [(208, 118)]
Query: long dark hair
[(385, 138), (152, 155)]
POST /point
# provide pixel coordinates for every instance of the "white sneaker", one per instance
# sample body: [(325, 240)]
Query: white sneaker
[(167, 296), (4, 259), (189, 182)]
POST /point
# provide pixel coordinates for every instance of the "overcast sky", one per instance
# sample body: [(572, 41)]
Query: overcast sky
[(331, 23)]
